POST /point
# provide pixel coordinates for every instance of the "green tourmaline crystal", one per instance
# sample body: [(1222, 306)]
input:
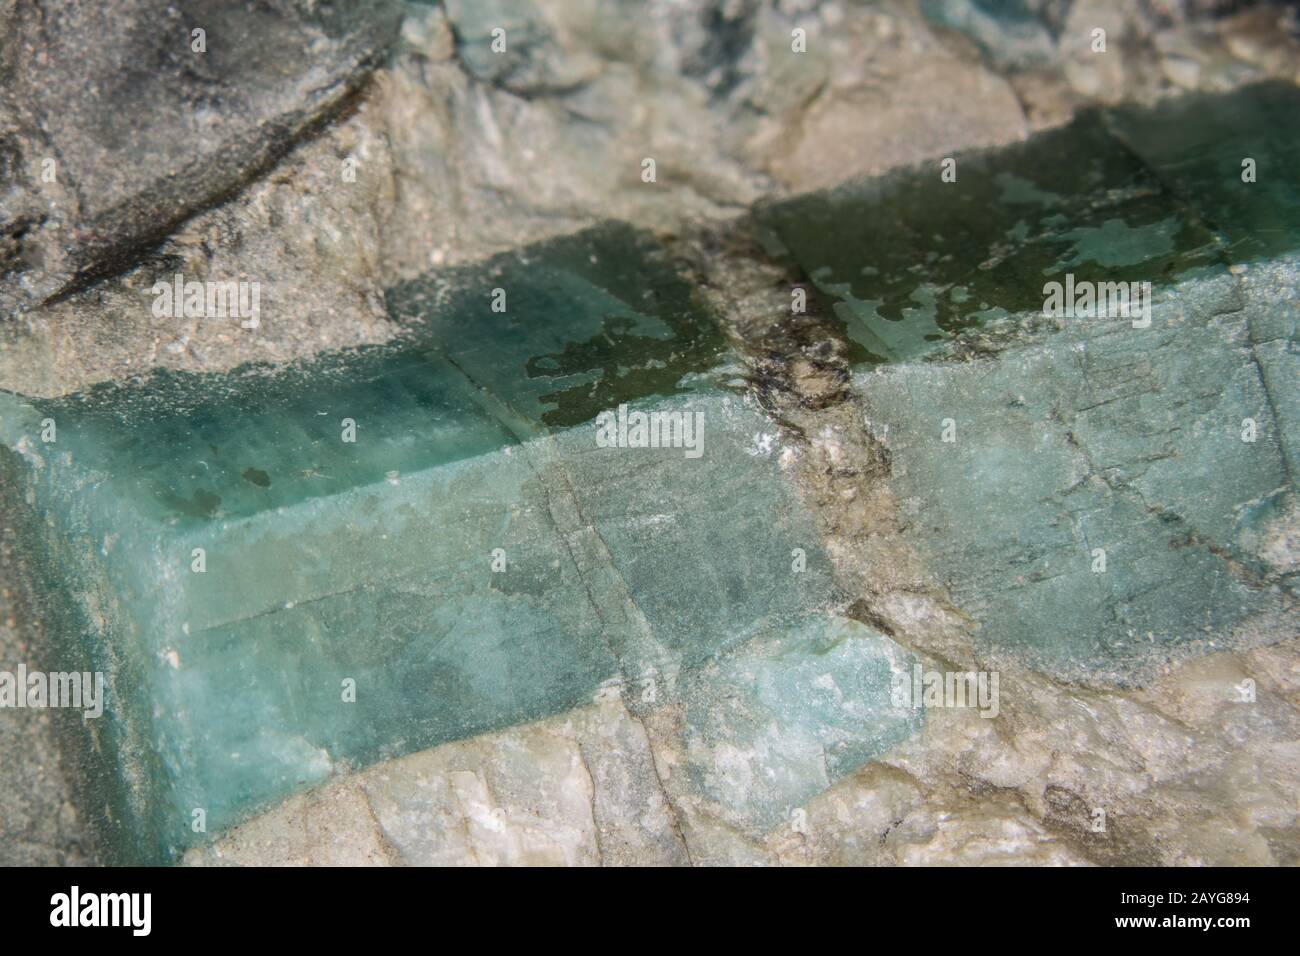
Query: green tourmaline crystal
[(1024, 452), (437, 525), (907, 260), (473, 559)]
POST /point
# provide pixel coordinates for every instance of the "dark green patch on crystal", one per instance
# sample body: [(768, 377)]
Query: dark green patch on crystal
[(1196, 145), (591, 321), (906, 260)]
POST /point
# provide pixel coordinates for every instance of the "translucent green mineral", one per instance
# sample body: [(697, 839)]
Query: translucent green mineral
[(1095, 491), (288, 573), (556, 484)]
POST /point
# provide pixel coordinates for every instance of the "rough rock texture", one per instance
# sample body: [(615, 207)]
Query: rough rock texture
[(579, 789), (39, 823), (451, 167), (460, 154), (1186, 771), (118, 121)]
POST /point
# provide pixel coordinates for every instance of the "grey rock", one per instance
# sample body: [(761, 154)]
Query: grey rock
[(118, 121), (39, 825)]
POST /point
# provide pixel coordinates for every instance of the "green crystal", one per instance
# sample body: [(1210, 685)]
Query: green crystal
[(905, 261), (330, 561), (778, 720), (1094, 434), (371, 561)]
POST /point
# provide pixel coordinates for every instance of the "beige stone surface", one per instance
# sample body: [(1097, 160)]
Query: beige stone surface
[(576, 790), (451, 168)]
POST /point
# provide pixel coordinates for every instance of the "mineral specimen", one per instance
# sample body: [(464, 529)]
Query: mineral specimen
[(284, 574)]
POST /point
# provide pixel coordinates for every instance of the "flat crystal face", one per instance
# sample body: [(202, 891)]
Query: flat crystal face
[(905, 261), (185, 450), (560, 332), (591, 321), (1097, 524), (1202, 146)]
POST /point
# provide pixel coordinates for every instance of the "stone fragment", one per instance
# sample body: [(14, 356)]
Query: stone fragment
[(120, 121)]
